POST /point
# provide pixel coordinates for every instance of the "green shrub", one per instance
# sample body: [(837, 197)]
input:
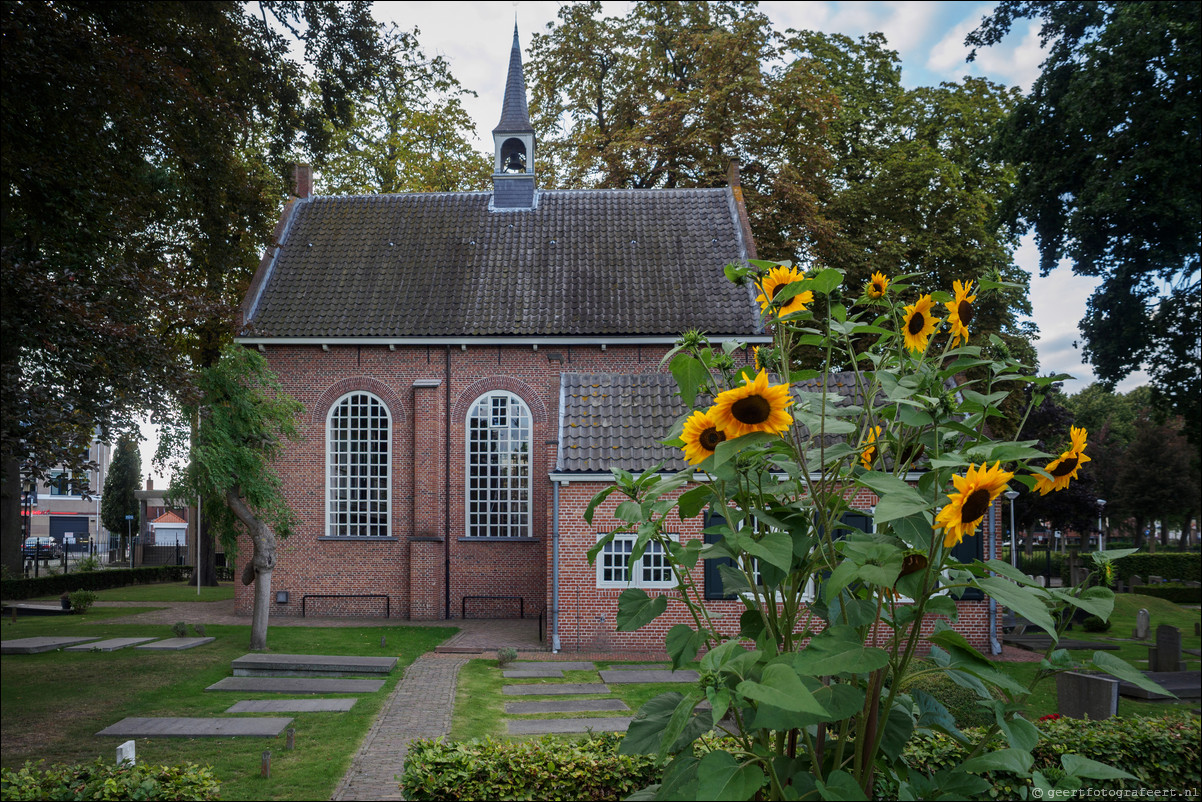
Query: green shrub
[(89, 563), (962, 703), (1172, 591), (546, 769), (22, 588), (1162, 753), (82, 601), (1186, 566), (1095, 624), (506, 655), (100, 780)]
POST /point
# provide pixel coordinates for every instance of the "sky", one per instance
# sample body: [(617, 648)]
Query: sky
[(475, 38)]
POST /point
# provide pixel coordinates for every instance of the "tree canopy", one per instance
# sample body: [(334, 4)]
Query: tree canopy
[(121, 483), (1111, 180)]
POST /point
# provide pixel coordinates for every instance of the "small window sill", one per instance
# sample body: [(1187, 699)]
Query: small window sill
[(499, 539), (360, 538)]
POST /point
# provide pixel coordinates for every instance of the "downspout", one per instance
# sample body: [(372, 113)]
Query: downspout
[(994, 646), (446, 493), (555, 646)]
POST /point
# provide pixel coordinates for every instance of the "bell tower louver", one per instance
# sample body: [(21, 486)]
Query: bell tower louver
[(514, 141)]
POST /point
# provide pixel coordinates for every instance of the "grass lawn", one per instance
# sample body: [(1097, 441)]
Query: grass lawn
[(161, 592), (54, 703)]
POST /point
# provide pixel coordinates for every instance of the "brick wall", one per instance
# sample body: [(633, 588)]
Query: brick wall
[(427, 517), (588, 613)]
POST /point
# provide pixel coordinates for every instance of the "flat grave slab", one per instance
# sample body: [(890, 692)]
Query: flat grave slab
[(641, 667), (110, 645), (175, 644), (197, 727), (533, 673), (565, 706), (562, 665), (1041, 640), (296, 685), (556, 689), (544, 726), (647, 675), (39, 644), (310, 665), (36, 609), (1186, 684), (292, 706)]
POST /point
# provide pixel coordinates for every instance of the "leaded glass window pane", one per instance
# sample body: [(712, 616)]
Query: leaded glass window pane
[(358, 464)]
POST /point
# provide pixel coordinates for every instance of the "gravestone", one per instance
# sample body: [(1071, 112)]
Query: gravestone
[(1136, 579), (1168, 649), (1079, 575), (1155, 580), (1120, 586), (1091, 696), (1142, 625), (126, 752)]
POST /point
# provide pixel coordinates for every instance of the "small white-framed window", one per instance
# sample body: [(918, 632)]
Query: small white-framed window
[(652, 571), (498, 434), (358, 467), (62, 483)]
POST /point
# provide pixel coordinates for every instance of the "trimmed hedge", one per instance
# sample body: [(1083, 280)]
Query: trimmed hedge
[(91, 580), (1185, 566), (1172, 591), (1164, 753), (100, 780), (546, 769)]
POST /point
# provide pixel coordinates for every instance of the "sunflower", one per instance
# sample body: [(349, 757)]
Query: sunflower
[(1064, 468), (777, 279), (755, 354), (701, 436), (754, 407), (919, 324), (875, 289), (959, 310), (975, 492), (869, 452)]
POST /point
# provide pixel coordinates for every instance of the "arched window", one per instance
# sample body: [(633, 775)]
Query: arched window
[(358, 467), (498, 467)]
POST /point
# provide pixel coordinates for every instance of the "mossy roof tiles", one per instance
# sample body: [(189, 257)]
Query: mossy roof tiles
[(584, 263)]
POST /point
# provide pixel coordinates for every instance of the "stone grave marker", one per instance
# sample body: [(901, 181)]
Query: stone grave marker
[(1155, 580), (1091, 696), (1136, 579), (126, 751), (1142, 625), (1168, 649)]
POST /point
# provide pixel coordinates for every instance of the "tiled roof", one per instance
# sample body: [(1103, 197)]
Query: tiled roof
[(169, 518), (585, 262), (611, 420)]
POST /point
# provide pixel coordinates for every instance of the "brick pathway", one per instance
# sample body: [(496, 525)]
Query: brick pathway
[(420, 707)]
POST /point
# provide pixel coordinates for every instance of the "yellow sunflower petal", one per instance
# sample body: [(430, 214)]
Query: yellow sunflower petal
[(877, 285), (960, 310), (754, 407), (869, 452), (776, 280), (975, 491), (1064, 468), (918, 324), (701, 436)]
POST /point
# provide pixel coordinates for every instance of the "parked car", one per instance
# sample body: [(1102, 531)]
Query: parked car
[(41, 548)]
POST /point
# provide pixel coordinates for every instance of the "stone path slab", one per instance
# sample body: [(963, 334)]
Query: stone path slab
[(110, 645), (292, 706), (562, 665), (1185, 684), (38, 644), (565, 706), (641, 667), (533, 673), (176, 644), (544, 726), (197, 727), (558, 689), (630, 677), (310, 665), (296, 685)]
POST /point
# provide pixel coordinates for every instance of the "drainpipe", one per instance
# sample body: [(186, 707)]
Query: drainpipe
[(555, 568), (446, 493), (994, 646)]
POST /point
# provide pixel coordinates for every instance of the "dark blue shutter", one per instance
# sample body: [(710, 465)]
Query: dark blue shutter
[(713, 579)]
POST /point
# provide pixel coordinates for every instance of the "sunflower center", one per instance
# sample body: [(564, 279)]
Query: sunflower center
[(752, 410), (878, 288), (965, 312), (710, 438), (772, 292), (975, 505), (1065, 467), (917, 323)]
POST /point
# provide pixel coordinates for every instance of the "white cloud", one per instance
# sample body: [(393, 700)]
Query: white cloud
[(1015, 60)]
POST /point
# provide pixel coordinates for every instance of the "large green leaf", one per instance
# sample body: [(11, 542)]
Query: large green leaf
[(692, 502), (1012, 760), (1024, 601), (727, 449), (1095, 601), (1011, 573), (774, 548), (647, 729), (841, 787), (720, 777), (636, 609), (838, 650), (780, 686), (1084, 767), (883, 483), (1117, 667), (899, 726), (682, 643), (932, 715), (899, 505), (690, 375), (680, 719)]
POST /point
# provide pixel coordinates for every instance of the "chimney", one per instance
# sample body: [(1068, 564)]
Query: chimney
[(149, 483), (302, 177), (736, 188)]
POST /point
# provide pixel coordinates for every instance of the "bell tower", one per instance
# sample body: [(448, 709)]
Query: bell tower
[(514, 142)]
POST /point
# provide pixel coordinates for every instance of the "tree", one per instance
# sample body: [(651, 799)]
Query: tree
[(1157, 478), (120, 484), (408, 133), (245, 417), (1108, 139), (144, 159)]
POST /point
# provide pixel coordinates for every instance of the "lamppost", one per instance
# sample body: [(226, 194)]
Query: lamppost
[(1010, 496), (1101, 537)]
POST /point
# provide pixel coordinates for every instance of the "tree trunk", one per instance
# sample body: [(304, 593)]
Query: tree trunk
[(206, 561), (263, 561), (11, 525)]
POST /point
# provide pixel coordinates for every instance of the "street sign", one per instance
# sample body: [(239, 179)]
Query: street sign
[(129, 517)]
